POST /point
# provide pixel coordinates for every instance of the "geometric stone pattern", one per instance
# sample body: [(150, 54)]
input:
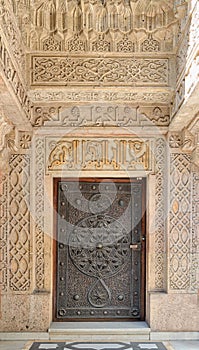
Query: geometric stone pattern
[(100, 115), (180, 222), (98, 346), (195, 233), (100, 154), (160, 214), (20, 245), (3, 232), (61, 70), (39, 212)]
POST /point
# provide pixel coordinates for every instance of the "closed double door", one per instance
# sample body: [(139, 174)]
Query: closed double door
[(99, 249)]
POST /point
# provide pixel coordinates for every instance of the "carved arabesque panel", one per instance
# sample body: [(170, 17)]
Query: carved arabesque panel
[(180, 222), (39, 213), (62, 70), (195, 233), (160, 214), (20, 242)]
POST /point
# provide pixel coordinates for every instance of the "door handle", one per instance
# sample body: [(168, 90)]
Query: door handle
[(136, 246)]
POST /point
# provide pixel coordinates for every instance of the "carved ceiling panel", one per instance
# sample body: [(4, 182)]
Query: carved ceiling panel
[(98, 25)]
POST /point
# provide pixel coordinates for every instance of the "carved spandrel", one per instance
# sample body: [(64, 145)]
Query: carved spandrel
[(102, 154)]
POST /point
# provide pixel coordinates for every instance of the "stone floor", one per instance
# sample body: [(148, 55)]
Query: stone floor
[(172, 345)]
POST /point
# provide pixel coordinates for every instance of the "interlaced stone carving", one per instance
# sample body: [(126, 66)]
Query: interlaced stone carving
[(150, 45), (195, 226), (76, 44), (39, 214), (91, 154), (180, 222), (51, 44), (20, 245), (101, 44), (125, 45), (62, 70), (160, 208), (3, 232)]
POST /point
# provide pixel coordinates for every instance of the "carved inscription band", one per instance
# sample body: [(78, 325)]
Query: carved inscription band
[(103, 154)]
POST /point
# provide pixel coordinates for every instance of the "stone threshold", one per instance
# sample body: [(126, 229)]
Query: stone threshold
[(99, 331)]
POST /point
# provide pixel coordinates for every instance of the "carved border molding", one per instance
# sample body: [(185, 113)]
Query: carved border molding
[(62, 70), (40, 96), (160, 214), (195, 233), (39, 213)]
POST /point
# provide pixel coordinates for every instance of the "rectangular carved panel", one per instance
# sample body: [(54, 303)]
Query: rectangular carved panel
[(195, 233), (160, 214), (102, 154), (19, 223), (74, 70), (39, 214), (180, 222)]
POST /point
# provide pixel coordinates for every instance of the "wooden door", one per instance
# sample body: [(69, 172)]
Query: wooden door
[(99, 249)]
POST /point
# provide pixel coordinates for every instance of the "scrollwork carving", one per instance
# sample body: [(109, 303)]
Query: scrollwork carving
[(53, 70)]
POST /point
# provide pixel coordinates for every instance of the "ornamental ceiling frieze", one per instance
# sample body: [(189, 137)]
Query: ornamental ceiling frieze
[(99, 25)]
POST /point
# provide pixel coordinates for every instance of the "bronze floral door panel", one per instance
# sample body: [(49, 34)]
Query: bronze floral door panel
[(100, 249)]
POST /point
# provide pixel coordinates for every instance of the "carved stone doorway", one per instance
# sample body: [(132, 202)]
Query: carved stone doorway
[(99, 250)]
